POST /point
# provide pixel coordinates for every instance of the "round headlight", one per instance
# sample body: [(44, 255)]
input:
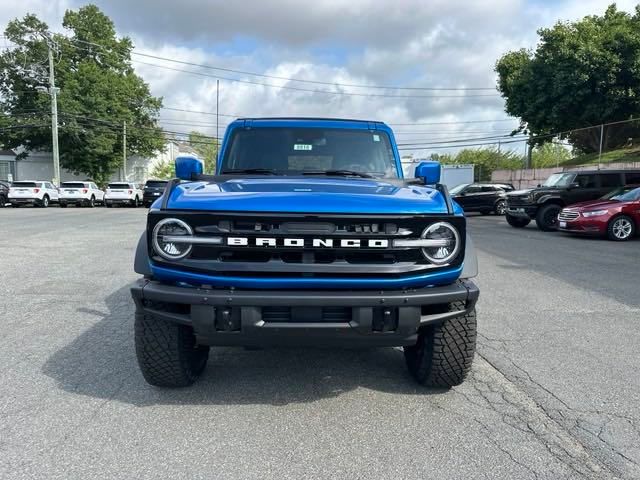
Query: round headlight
[(165, 245), (448, 247)]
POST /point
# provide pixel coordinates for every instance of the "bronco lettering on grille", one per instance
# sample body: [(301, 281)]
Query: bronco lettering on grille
[(301, 243)]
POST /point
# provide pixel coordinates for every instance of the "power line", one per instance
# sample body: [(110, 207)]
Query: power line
[(325, 92), (290, 79)]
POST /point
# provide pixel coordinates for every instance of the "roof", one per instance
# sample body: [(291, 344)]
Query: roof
[(327, 119), (602, 170)]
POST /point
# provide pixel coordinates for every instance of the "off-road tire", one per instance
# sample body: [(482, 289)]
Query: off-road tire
[(621, 228), (544, 216), (517, 222), (443, 355), (167, 353)]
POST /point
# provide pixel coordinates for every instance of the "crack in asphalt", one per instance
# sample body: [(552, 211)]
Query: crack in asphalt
[(571, 419)]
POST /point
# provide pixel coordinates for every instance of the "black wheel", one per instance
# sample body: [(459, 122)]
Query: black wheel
[(92, 202), (547, 217), (621, 228), (44, 203), (517, 222), (136, 202), (500, 208), (443, 355), (167, 353)]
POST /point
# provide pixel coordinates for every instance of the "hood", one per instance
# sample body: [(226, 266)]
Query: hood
[(306, 195), (524, 191), (594, 205)]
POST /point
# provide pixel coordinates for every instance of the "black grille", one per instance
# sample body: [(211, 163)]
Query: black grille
[(307, 314), (517, 199), (306, 260)]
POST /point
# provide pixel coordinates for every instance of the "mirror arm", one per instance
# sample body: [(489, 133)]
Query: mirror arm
[(167, 192), (442, 188)]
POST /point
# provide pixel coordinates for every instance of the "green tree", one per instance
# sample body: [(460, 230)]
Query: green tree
[(207, 149), (99, 91), (581, 73), (549, 155), (486, 160), (163, 171)]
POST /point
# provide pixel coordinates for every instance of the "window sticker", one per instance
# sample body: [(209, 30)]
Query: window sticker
[(376, 138), (302, 146)]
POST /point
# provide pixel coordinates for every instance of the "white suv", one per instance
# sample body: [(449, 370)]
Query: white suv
[(38, 193), (123, 193), (80, 194)]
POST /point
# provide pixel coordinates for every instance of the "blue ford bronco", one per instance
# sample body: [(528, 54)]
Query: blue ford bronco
[(307, 235)]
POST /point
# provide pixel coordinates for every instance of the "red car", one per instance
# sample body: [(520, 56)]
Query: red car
[(616, 215)]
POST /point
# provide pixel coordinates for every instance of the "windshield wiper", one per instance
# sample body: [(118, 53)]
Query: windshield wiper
[(338, 173), (257, 171)]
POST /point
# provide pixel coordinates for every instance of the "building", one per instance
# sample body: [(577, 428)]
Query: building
[(39, 165), (7, 165)]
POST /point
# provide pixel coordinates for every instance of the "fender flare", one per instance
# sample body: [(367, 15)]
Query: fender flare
[(141, 261), (470, 267), (550, 198)]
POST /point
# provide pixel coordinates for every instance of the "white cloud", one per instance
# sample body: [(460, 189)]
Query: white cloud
[(440, 43)]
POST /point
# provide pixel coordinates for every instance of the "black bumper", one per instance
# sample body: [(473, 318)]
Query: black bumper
[(522, 211), (365, 318)]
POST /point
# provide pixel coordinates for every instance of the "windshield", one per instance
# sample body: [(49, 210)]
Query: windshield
[(625, 194), (458, 188), (294, 151), (559, 180)]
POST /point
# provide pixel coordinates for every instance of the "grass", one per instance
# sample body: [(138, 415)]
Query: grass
[(621, 155)]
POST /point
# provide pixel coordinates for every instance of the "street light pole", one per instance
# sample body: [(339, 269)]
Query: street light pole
[(53, 91)]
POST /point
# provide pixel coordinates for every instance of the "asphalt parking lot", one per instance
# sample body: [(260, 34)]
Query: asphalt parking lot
[(554, 392)]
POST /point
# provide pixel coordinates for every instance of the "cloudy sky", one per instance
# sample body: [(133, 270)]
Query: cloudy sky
[(446, 45)]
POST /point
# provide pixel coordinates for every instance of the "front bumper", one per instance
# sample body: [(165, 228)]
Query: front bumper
[(368, 318), (595, 226), (522, 211)]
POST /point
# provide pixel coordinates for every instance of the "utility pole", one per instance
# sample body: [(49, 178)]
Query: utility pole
[(601, 138), (124, 151), (53, 91)]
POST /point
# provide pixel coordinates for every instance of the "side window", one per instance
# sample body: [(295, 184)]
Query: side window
[(610, 180), (472, 189), (586, 181), (488, 189), (632, 178)]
